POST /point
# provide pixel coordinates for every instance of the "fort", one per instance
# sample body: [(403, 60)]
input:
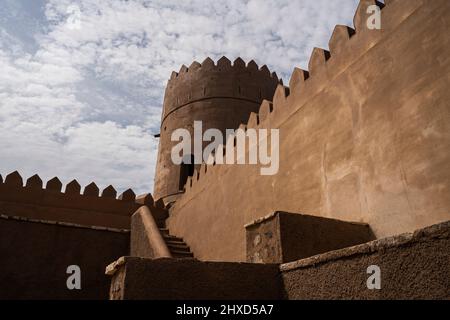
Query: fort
[(363, 180)]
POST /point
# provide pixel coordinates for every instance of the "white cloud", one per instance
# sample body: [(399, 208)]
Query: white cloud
[(83, 103)]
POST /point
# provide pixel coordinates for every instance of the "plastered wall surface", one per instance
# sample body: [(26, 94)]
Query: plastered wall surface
[(284, 237), (36, 255), (365, 138), (411, 266), (162, 279)]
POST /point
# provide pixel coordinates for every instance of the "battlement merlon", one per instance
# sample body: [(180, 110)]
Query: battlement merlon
[(89, 208), (224, 80)]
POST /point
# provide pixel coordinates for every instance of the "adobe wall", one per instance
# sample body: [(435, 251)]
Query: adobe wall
[(189, 279), (364, 137), (146, 239), (284, 237), (89, 208), (35, 256), (412, 266)]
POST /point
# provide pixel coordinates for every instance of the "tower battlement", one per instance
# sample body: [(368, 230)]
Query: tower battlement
[(221, 96), (224, 80)]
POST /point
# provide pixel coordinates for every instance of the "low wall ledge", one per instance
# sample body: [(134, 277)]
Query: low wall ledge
[(261, 220), (437, 231), (63, 224), (272, 215), (112, 268)]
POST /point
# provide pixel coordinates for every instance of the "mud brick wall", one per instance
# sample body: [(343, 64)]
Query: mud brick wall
[(413, 266), (88, 208), (189, 279), (363, 137), (35, 256), (284, 237)]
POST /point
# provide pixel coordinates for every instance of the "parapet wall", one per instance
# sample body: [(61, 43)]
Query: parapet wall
[(188, 279), (364, 137), (35, 256), (284, 237), (411, 266), (89, 208), (45, 230)]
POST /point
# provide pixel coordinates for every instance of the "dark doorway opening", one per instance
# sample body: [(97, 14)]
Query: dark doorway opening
[(186, 170)]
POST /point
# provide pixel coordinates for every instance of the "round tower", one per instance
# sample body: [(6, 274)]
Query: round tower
[(222, 96)]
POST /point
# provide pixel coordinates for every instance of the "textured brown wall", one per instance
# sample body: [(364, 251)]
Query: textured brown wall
[(144, 238), (89, 209), (188, 279), (264, 241), (365, 138), (221, 96), (139, 244), (414, 266), (35, 257), (285, 237)]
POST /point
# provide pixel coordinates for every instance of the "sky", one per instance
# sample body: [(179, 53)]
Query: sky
[(82, 82)]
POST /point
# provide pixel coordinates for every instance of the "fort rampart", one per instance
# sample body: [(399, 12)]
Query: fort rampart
[(363, 138)]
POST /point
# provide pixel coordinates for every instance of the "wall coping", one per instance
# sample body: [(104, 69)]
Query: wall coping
[(276, 213), (261, 220), (441, 230), (63, 224)]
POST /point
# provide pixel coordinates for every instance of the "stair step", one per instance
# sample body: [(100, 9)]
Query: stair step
[(164, 231), (183, 255), (183, 248), (172, 238), (177, 247), (175, 243)]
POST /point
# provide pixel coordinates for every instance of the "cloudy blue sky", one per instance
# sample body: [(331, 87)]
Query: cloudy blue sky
[(82, 82)]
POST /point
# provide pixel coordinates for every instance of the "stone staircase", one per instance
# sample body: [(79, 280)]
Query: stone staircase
[(177, 247)]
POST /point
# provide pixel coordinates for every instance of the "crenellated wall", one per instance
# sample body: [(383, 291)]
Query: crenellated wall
[(364, 137), (208, 80), (51, 204), (45, 230)]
